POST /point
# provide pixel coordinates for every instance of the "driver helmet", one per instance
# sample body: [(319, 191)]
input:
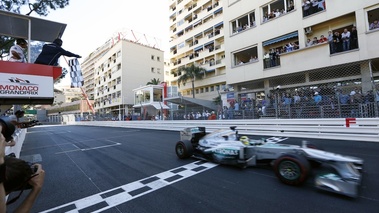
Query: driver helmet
[(244, 140)]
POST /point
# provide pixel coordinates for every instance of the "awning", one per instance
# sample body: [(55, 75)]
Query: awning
[(198, 35), (209, 29), (212, 70), (208, 43), (280, 38), (192, 102), (188, 15), (173, 14), (180, 32), (190, 39), (188, 27), (198, 22), (160, 106), (17, 26), (219, 24), (198, 48), (218, 10)]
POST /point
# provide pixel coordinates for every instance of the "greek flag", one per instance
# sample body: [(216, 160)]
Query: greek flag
[(75, 73)]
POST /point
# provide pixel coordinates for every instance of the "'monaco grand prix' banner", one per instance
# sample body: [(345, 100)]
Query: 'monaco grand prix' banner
[(26, 83)]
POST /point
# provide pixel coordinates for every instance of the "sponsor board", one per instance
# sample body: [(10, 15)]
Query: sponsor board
[(30, 86)]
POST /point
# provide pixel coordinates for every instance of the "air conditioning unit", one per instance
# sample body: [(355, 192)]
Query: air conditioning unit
[(308, 30)]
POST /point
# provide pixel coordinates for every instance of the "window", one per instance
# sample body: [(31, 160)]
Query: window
[(373, 19), (310, 8), (276, 9), (244, 22), (158, 58), (118, 66), (152, 70), (152, 57), (246, 56), (212, 88)]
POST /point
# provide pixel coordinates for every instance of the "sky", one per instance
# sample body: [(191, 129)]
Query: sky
[(90, 23)]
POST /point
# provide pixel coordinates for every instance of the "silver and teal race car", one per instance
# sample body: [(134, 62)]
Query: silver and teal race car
[(292, 163)]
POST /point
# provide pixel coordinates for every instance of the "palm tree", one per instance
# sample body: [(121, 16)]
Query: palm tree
[(190, 73), (154, 81)]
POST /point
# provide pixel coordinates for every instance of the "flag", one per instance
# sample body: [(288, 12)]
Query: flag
[(75, 73)]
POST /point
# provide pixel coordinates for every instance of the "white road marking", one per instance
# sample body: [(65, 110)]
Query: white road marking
[(122, 194)]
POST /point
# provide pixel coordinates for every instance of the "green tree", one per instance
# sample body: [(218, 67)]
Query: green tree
[(191, 73), (41, 7), (154, 81)]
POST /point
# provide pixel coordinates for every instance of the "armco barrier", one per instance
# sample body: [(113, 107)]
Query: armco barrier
[(19, 137), (358, 129)]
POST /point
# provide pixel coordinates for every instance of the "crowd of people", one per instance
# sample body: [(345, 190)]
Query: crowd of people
[(339, 42), (275, 13), (312, 6), (322, 102)]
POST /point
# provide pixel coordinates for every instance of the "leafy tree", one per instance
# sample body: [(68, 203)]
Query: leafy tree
[(191, 73), (217, 100), (41, 7), (154, 81)]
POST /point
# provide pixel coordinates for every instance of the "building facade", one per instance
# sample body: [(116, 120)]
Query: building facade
[(197, 38), (281, 49), (126, 66)]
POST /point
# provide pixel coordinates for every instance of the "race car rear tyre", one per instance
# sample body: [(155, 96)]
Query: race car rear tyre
[(292, 169), (184, 149)]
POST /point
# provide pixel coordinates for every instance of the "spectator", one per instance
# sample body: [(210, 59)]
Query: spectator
[(345, 36), (337, 41), (353, 38), (266, 59), (322, 39), (331, 42), (51, 53), (314, 41), (16, 52), (272, 58), (309, 43), (306, 6), (212, 116), (17, 119), (291, 6), (374, 25), (317, 98)]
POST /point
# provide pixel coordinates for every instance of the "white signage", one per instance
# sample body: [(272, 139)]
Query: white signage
[(26, 86)]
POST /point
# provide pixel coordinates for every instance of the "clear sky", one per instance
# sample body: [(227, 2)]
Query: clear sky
[(90, 23)]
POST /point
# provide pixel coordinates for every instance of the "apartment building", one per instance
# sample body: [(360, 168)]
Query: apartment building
[(197, 38), (88, 68), (283, 45), (125, 66)]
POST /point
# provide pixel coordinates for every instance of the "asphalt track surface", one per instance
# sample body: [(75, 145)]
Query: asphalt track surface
[(105, 169)]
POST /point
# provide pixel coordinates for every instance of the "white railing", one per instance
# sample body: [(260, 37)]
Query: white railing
[(358, 129), (19, 137)]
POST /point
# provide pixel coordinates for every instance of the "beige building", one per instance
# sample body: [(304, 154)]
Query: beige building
[(254, 28), (66, 94), (88, 68), (126, 66), (197, 37)]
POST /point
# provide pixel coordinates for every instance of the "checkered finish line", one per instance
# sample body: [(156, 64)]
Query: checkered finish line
[(113, 197)]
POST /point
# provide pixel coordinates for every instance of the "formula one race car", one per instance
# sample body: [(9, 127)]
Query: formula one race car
[(291, 163)]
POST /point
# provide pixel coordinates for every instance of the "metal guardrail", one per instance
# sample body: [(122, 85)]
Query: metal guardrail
[(358, 129)]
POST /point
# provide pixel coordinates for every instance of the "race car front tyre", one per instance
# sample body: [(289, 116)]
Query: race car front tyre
[(292, 169), (184, 149)]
